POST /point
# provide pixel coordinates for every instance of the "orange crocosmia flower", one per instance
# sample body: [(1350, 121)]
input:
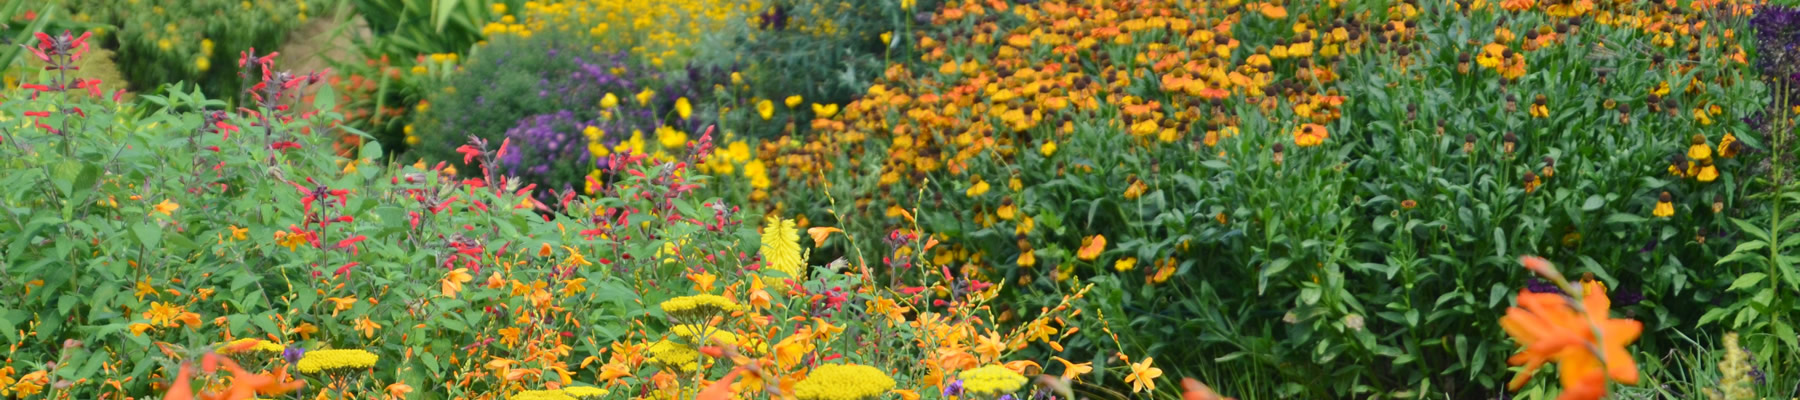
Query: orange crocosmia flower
[(399, 390), (1550, 329), (989, 346), (367, 327), (454, 280), (1091, 247), (341, 304), (820, 233)]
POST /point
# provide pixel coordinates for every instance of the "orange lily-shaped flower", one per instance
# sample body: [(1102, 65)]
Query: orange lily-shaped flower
[(1579, 335)]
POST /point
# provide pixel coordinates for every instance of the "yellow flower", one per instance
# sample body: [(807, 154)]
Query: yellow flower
[(1699, 151), (1708, 172), (499, 8), (1143, 376), (609, 101), (766, 109), (540, 395), (248, 345), (585, 392), (781, 248), (643, 98), (203, 64), (1728, 147), (239, 233), (979, 188), (166, 207), (1125, 264), (671, 138), (992, 380), (825, 110), (1664, 208), (699, 306), (843, 382), (683, 108), (794, 101), (676, 356), (318, 361), (1048, 149)]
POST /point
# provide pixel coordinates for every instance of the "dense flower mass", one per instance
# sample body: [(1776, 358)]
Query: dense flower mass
[(843, 382), (577, 199), (992, 380), (335, 360)]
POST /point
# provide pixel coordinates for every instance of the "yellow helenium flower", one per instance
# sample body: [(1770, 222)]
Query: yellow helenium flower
[(318, 361), (1664, 208), (683, 108), (766, 109), (781, 248), (843, 382), (992, 380)]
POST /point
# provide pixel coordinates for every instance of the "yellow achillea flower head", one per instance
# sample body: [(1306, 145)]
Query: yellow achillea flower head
[(781, 248), (843, 382), (992, 380), (699, 306), (540, 395), (318, 361), (585, 392), (675, 356), (691, 334), (244, 346)]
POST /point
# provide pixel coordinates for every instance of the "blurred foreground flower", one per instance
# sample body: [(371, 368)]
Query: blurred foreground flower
[(1573, 330)]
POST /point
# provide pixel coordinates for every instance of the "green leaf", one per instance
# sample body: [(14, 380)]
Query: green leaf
[(148, 234), (1754, 231), (1786, 333), (1747, 280), (1593, 202), (1262, 282), (1499, 242), (325, 99), (441, 12)]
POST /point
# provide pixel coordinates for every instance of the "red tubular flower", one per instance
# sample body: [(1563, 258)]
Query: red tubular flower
[(33, 86), (469, 153), (344, 270), (37, 113)]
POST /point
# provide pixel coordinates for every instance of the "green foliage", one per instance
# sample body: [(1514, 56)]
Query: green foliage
[(172, 204), (191, 41), (407, 37)]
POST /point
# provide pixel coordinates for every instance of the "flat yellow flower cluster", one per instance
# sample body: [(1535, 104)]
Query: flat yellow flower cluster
[(584, 392), (704, 305), (992, 380), (541, 395), (843, 382), (317, 361), (254, 346), (691, 334), (675, 356)]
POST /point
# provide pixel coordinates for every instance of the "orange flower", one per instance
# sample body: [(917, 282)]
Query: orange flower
[(1586, 343), (1310, 135), (1091, 247), (1143, 376)]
